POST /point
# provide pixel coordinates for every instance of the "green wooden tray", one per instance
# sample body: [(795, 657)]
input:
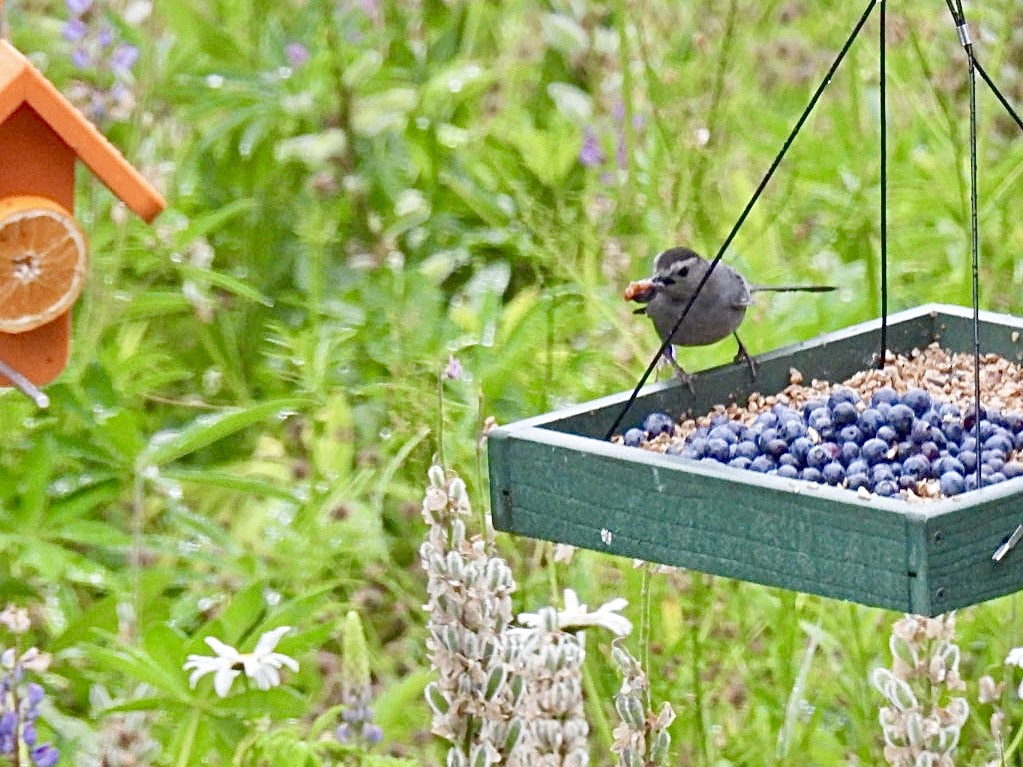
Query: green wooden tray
[(555, 477)]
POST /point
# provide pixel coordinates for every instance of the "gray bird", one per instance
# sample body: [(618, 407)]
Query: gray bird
[(716, 313)]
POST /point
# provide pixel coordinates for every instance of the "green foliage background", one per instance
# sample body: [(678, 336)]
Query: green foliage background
[(255, 392)]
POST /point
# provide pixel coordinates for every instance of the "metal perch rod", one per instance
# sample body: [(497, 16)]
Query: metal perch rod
[(23, 385)]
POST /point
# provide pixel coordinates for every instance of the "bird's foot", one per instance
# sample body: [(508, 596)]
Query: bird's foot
[(684, 377), (743, 354)]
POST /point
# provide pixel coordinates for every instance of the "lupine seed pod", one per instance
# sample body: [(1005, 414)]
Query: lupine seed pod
[(436, 700), (661, 747)]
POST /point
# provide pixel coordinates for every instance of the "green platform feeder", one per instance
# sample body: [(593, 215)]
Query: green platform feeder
[(556, 477)]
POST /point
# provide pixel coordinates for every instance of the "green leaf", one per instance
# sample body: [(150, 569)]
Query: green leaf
[(225, 282), (268, 488), (167, 446)]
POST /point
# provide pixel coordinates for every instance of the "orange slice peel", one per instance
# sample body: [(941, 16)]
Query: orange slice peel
[(43, 262)]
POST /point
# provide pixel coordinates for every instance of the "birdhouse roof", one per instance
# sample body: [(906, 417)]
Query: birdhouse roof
[(21, 83)]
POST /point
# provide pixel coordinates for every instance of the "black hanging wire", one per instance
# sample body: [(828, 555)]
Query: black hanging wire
[(745, 213), (882, 46), (964, 37)]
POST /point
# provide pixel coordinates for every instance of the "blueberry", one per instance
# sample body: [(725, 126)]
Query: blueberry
[(930, 451), (1012, 469), (767, 419), (788, 472), (719, 420), (723, 432), (971, 481), (858, 466), (814, 404), (953, 430), (800, 447), (900, 418), (717, 449), (817, 457), (904, 449), (888, 434), (850, 452), (634, 437), (787, 459), (920, 432), (745, 449), (918, 400), (906, 482), (882, 472), (969, 444), (886, 488), (994, 478), (952, 483), (969, 460), (791, 429), (767, 435), (996, 464), (833, 473), (1013, 422), (842, 395), (998, 442), (698, 446), (1017, 441), (762, 464), (850, 433), (950, 464), (970, 419), (884, 394), (917, 467), (987, 429), (844, 413), (740, 462), (677, 448), (776, 448), (870, 420), (874, 450), (856, 480), (810, 474), (819, 420), (948, 411), (659, 423)]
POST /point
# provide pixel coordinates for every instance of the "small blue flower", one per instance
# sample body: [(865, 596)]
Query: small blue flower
[(372, 733), (74, 30), (45, 755), (591, 155), (296, 54), (79, 7), (124, 58), (81, 58)]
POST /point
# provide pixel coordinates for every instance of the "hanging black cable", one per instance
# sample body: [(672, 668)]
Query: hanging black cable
[(745, 213), (882, 95), (959, 17)]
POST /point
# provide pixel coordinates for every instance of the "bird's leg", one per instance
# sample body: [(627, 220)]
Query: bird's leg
[(683, 376), (745, 355)]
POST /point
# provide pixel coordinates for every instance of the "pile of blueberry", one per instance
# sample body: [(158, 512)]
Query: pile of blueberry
[(888, 444)]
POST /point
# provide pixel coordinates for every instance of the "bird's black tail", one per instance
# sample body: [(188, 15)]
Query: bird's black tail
[(792, 288)]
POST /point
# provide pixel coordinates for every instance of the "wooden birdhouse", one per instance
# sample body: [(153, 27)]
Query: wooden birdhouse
[(43, 252)]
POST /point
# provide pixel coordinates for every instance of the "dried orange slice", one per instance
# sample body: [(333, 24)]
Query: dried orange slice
[(43, 260)]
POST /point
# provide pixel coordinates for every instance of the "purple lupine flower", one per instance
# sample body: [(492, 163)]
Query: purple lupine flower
[(74, 30), (296, 54), (28, 734), (453, 371), (372, 733), (124, 58), (44, 755), (591, 155), (78, 7), (8, 732), (81, 58)]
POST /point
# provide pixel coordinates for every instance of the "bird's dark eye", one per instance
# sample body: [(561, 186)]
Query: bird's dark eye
[(683, 271)]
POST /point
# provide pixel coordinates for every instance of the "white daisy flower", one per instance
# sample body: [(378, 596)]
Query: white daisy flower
[(262, 665), (576, 616)]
